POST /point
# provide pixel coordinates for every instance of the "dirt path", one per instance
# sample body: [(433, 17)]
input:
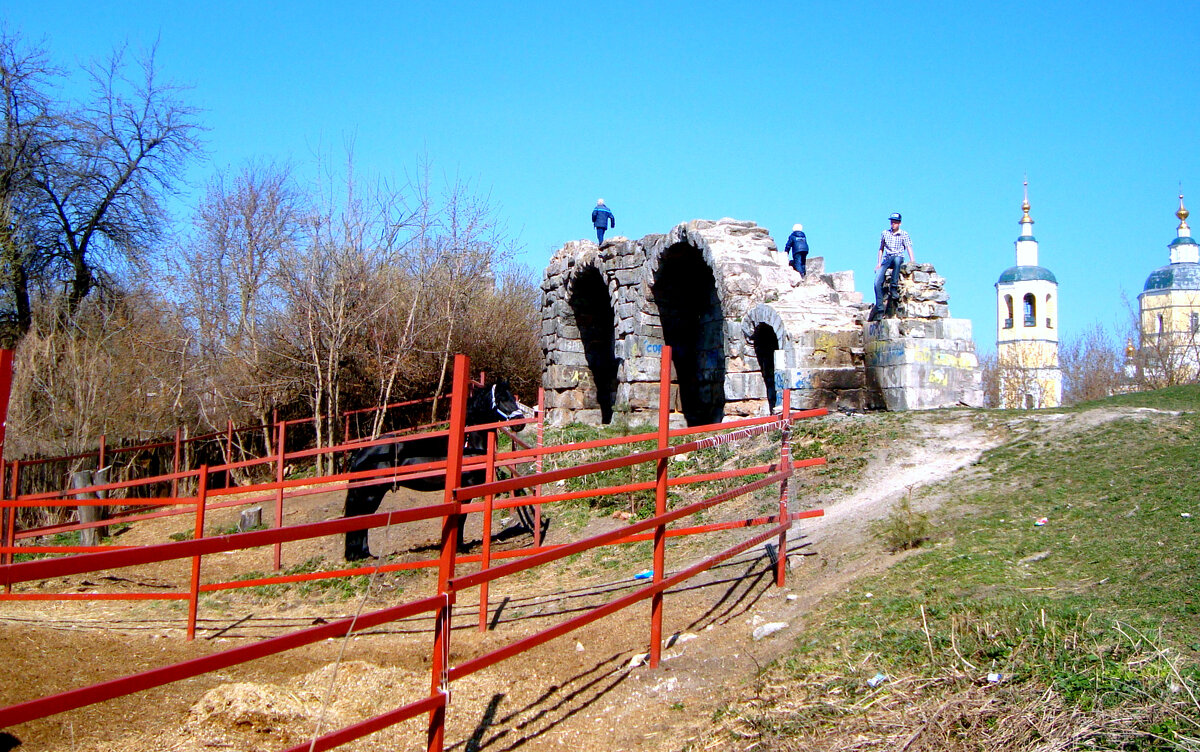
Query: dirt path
[(577, 692)]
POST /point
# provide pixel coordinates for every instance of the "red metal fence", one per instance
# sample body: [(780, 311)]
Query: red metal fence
[(457, 501)]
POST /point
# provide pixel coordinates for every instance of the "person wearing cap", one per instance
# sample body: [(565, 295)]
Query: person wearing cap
[(893, 243), (797, 246), (602, 219)]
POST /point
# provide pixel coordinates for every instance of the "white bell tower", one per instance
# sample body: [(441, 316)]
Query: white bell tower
[(1027, 327)]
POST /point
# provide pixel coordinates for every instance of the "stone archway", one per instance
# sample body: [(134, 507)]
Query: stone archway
[(684, 292), (765, 345), (595, 320)]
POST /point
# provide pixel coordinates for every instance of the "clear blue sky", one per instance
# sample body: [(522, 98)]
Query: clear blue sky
[(832, 114)]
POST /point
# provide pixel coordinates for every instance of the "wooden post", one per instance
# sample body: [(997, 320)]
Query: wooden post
[(280, 458), (87, 513), (660, 505), (441, 631), (490, 475), (102, 453), (785, 464), (194, 600)]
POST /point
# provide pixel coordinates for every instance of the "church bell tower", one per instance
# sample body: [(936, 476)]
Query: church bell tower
[(1027, 327)]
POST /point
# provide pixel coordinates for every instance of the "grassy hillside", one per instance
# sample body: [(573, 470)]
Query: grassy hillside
[(1001, 634)]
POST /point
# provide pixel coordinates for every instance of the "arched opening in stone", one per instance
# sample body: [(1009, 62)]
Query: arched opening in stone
[(693, 324), (596, 322), (766, 342)]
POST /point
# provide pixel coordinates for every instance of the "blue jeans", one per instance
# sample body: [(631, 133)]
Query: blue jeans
[(798, 260), (889, 262), (600, 235)]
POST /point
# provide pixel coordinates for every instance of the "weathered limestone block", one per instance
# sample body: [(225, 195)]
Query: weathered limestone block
[(922, 372), (744, 386)]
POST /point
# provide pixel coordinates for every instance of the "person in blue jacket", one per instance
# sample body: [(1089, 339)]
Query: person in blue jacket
[(797, 246), (602, 219)]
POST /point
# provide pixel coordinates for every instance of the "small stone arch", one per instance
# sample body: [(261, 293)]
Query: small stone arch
[(765, 331)]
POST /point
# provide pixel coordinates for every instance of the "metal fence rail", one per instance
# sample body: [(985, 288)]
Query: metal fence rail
[(456, 501)]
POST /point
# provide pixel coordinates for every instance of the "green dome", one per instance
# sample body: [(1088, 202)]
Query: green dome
[(1025, 274), (1182, 276)]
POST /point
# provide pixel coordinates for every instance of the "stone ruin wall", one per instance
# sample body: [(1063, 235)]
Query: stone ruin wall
[(922, 358), (741, 323)]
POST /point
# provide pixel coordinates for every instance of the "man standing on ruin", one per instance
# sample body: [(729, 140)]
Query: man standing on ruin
[(797, 248), (893, 243), (602, 219)]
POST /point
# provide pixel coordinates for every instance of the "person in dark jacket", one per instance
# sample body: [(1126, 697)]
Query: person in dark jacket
[(602, 219), (797, 246)]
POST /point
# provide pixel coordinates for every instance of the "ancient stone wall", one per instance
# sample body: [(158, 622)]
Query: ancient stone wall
[(741, 323), (739, 320), (922, 358)]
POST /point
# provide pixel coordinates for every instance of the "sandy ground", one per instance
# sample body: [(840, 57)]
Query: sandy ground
[(579, 691)]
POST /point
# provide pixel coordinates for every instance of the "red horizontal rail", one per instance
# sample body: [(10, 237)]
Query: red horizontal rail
[(45, 568), (396, 567), (532, 641), (94, 597), (527, 481), (371, 725), (406, 403), (487, 575), (126, 685)]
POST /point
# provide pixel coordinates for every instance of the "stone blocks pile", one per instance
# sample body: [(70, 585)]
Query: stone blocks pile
[(922, 359)]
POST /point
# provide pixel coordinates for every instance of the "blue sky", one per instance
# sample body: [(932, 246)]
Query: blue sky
[(830, 114)]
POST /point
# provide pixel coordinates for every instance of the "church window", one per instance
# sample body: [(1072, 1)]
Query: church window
[(1008, 322), (1160, 323), (1195, 322), (1049, 319), (1030, 310)]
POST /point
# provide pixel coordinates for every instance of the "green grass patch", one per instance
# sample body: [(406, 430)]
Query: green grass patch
[(1095, 613)]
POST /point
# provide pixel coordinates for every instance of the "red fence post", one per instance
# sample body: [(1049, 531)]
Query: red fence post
[(280, 457), (660, 504), (441, 631), (537, 490), (102, 453), (6, 360), (7, 511), (490, 475), (228, 449), (194, 600), (175, 466), (10, 527), (785, 464)]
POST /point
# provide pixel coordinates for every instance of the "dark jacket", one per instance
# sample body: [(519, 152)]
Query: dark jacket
[(602, 217), (796, 243)]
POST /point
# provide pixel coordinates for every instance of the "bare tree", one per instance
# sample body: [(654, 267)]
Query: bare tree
[(117, 366), (333, 285), (1091, 366), (232, 292), (102, 176), (25, 76)]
